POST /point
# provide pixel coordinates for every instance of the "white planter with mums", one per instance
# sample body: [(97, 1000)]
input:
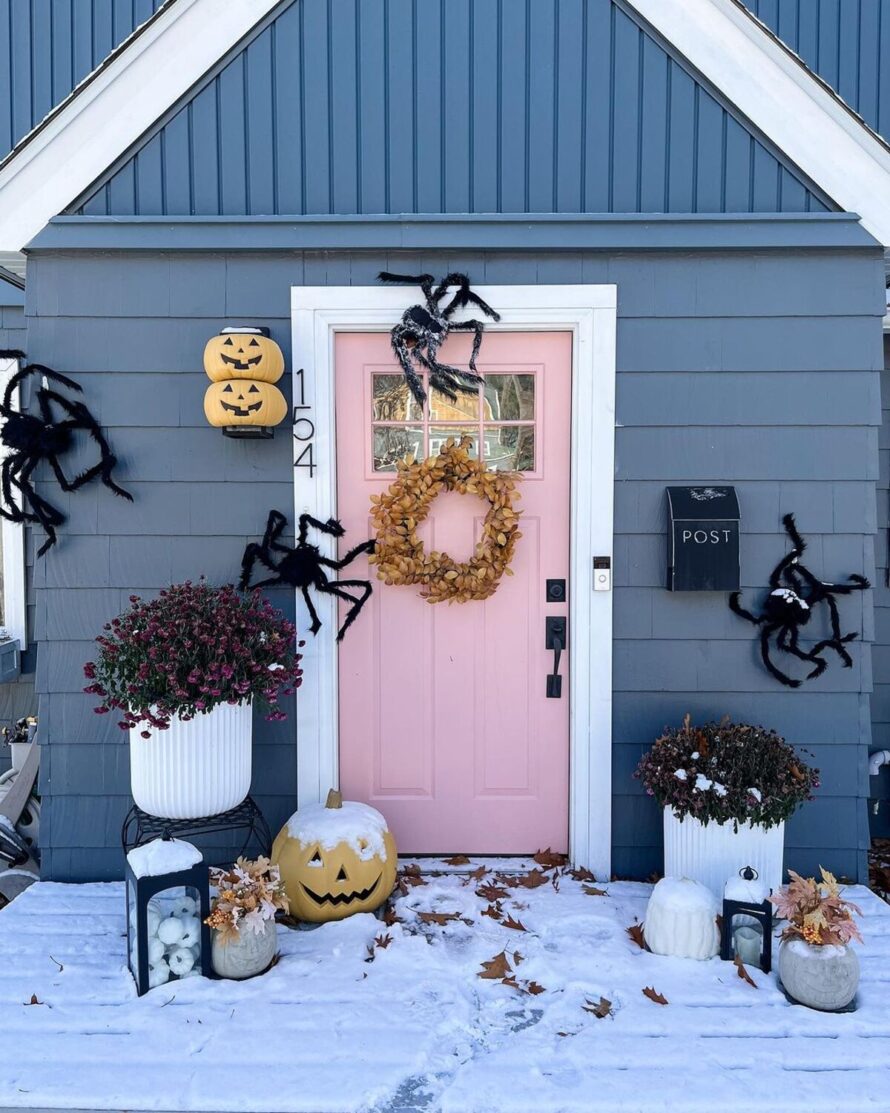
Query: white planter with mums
[(197, 768), (711, 852)]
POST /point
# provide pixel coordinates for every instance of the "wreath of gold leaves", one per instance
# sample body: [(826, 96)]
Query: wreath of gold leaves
[(399, 554)]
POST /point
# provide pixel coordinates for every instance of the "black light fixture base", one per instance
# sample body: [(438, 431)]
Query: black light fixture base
[(249, 432)]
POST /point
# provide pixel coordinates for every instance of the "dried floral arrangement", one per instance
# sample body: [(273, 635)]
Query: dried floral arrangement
[(247, 896), (189, 650), (399, 554), (727, 772), (816, 912)]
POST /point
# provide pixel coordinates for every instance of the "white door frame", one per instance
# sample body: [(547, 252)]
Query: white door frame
[(589, 313)]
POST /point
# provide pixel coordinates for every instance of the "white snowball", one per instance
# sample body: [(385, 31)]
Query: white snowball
[(195, 972), (184, 906), (170, 930), (181, 960), (158, 974), (191, 931), (156, 951)]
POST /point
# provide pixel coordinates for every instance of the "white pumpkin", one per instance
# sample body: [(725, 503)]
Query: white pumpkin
[(681, 920)]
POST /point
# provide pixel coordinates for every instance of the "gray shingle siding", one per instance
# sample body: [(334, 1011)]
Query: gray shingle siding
[(760, 370)]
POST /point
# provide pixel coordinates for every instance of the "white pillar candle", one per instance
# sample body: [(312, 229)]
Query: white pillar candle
[(747, 943)]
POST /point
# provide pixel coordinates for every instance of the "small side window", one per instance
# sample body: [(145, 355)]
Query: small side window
[(12, 548)]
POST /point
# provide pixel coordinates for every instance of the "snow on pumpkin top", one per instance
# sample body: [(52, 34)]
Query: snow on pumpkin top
[(163, 856), (360, 826), (684, 893)]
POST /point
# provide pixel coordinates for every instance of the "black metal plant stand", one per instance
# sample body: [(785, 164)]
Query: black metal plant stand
[(139, 828)]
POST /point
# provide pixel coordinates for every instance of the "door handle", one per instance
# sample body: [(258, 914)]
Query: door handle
[(555, 627)]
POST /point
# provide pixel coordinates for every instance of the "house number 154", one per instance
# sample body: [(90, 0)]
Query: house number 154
[(304, 428)]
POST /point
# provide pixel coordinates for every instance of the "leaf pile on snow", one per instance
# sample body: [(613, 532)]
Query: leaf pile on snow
[(499, 969), (600, 1009), (654, 995)]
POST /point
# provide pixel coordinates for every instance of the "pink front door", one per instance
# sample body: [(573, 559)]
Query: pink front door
[(445, 723)]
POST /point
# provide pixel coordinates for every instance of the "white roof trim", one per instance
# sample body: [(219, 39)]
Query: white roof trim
[(83, 137), (781, 98)]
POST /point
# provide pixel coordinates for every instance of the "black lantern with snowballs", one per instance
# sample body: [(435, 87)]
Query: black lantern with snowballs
[(168, 900)]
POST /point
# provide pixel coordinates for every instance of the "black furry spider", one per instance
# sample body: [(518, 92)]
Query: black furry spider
[(794, 593), (31, 439), (423, 329), (304, 566)]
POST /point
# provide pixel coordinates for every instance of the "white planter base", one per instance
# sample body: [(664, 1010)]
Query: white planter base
[(711, 853), (193, 769), (824, 978), (246, 956)]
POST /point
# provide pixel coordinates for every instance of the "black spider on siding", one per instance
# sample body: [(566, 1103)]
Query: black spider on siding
[(423, 329), (304, 566), (794, 594), (30, 439)]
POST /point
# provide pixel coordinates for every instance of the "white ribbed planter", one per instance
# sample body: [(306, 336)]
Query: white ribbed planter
[(193, 769), (711, 853)]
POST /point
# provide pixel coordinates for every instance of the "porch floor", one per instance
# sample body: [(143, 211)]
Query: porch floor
[(416, 1028)]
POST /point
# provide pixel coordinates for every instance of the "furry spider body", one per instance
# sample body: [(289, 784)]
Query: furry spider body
[(423, 329), (304, 567), (794, 594), (31, 439)]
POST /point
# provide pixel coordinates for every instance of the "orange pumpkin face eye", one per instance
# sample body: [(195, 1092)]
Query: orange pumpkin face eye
[(254, 390), (228, 342), (341, 874), (315, 860), (254, 344), (227, 390)]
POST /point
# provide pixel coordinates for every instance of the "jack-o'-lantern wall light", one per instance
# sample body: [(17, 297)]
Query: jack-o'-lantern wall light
[(243, 363)]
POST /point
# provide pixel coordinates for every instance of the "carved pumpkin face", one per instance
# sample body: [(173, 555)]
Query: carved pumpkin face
[(244, 402), (330, 879), (233, 355)]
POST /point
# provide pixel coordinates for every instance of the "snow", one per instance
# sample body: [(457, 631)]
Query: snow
[(683, 893), (163, 856), (359, 825), (825, 951), (415, 1029), (738, 888), (680, 774)]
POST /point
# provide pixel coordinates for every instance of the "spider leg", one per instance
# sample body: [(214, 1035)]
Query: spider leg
[(313, 614), (403, 355), (736, 607), (252, 554), (83, 419), (335, 588), (35, 369), (332, 527), (768, 630), (41, 511), (813, 656), (424, 281), (365, 547), (837, 640), (454, 378), (9, 508), (478, 328)]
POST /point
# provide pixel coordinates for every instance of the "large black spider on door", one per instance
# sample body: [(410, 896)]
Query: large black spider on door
[(30, 439), (304, 567), (794, 594)]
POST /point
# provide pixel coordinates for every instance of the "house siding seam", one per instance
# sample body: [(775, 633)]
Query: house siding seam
[(52, 45), (451, 106), (758, 369)]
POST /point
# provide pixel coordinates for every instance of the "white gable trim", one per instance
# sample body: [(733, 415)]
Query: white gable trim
[(781, 98), (114, 107)]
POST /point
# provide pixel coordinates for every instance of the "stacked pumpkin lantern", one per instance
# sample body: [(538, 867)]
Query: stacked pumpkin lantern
[(244, 363)]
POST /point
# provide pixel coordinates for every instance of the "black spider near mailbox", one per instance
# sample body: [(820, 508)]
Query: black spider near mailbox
[(703, 539)]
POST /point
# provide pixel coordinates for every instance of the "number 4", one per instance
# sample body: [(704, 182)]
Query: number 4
[(309, 462)]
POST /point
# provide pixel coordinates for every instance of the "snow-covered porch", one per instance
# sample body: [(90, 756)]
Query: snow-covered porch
[(365, 1015)]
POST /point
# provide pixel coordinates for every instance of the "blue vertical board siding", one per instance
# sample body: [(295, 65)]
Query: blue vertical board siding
[(846, 42), (756, 369), (52, 45), (456, 106)]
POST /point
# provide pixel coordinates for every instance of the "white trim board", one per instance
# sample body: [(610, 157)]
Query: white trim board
[(13, 536), (781, 98), (107, 115), (589, 312)]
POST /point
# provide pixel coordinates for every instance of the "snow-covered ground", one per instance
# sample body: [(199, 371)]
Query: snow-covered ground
[(408, 1023)]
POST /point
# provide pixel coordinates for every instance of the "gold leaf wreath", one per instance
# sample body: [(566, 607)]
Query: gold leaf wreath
[(399, 554)]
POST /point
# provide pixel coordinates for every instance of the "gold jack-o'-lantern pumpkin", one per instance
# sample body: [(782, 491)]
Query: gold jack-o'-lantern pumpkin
[(244, 402), (241, 353), (335, 859)]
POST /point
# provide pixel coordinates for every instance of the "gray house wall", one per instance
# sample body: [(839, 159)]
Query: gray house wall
[(759, 369)]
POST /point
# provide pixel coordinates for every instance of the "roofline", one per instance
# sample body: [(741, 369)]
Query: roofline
[(479, 232), (797, 112), (12, 278)]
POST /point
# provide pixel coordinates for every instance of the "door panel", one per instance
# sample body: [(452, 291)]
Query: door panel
[(444, 721)]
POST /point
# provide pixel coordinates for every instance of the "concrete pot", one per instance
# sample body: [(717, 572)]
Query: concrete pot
[(193, 769), (824, 978), (246, 955), (712, 852)]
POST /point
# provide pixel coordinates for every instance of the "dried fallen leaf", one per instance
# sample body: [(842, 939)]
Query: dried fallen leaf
[(497, 968), (439, 918), (33, 1000), (548, 859), (383, 941), (494, 911), (600, 1010), (592, 891), (457, 860), (516, 925), (582, 874), (492, 893), (532, 880), (390, 916), (635, 931), (743, 973), (477, 874), (654, 995), (534, 988)]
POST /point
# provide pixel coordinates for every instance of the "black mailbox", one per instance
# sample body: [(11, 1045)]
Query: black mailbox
[(703, 539)]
